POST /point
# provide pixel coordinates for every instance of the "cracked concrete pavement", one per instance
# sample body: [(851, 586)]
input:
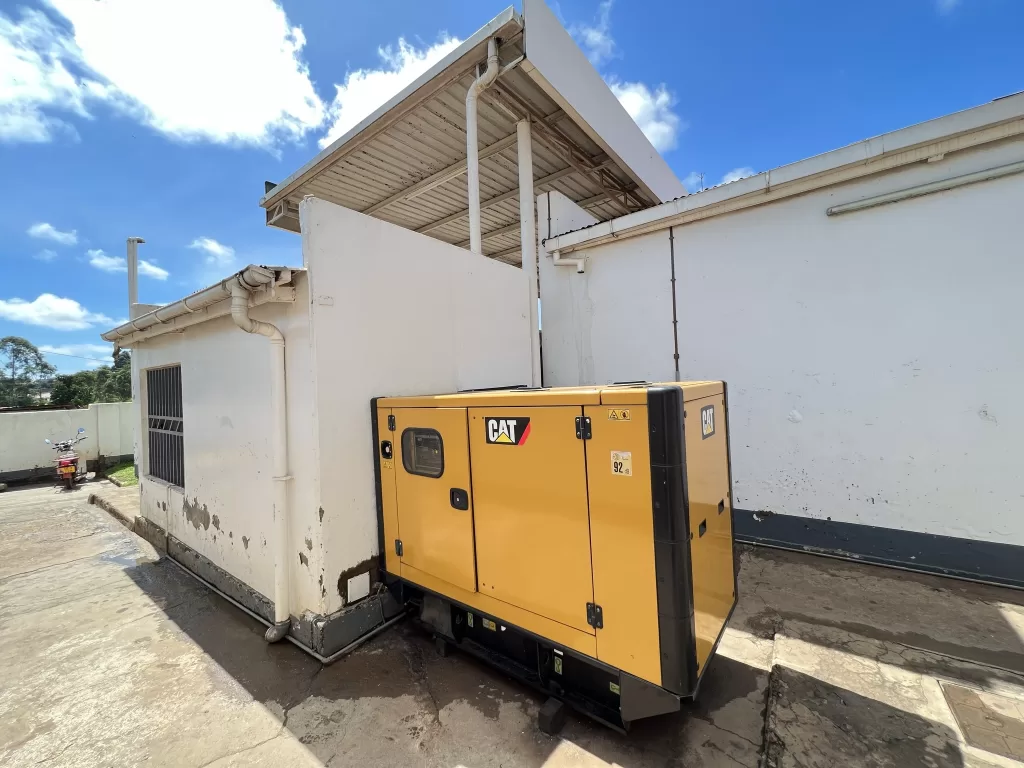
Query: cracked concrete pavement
[(117, 657)]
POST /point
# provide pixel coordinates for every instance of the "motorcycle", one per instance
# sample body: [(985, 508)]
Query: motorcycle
[(69, 469)]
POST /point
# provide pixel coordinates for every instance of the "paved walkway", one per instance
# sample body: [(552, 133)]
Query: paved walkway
[(113, 657)]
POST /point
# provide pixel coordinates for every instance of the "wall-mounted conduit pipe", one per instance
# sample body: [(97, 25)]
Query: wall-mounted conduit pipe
[(240, 289)]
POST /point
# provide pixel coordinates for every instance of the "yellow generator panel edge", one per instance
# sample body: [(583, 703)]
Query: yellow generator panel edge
[(579, 538)]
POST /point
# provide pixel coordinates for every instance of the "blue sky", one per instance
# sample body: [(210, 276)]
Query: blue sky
[(101, 138)]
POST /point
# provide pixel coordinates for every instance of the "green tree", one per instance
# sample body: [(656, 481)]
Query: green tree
[(107, 384), (22, 370)]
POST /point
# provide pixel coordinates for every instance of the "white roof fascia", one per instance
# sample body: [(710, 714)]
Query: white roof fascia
[(996, 120)]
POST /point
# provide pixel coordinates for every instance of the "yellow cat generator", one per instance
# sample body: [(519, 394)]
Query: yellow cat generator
[(580, 539)]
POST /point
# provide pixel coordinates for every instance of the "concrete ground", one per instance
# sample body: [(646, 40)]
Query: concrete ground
[(113, 657)]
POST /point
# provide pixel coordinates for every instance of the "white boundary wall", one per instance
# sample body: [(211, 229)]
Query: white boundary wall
[(108, 427), (394, 313), (875, 359)]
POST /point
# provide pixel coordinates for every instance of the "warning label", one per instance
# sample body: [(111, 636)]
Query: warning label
[(618, 414), (622, 463)]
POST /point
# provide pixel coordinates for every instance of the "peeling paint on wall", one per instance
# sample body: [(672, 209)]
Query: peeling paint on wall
[(198, 516), (216, 522), (309, 544), (245, 542), (303, 559), (321, 514)]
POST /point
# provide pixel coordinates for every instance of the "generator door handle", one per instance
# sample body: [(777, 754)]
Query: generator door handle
[(459, 498)]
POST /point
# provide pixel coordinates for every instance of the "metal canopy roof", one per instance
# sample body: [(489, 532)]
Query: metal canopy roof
[(406, 162)]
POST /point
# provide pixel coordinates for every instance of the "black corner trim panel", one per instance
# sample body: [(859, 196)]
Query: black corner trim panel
[(971, 559), (670, 508), (639, 699), (381, 554)]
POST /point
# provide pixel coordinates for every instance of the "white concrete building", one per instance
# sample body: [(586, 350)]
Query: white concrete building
[(254, 449), (863, 306)]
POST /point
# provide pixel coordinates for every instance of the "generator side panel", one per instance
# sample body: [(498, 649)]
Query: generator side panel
[(622, 539), (710, 521)]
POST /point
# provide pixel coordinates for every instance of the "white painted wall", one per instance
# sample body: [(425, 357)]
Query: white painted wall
[(394, 313), (606, 328), (107, 425), (228, 463), (875, 359)]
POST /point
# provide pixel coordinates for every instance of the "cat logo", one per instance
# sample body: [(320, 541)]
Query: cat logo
[(707, 422), (507, 431)]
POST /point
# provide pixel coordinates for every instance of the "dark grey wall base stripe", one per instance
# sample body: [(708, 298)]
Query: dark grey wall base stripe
[(944, 555)]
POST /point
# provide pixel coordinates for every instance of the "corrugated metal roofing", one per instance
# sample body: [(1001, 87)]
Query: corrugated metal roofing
[(406, 164)]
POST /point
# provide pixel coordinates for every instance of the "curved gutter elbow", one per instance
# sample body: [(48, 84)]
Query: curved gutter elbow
[(240, 314)]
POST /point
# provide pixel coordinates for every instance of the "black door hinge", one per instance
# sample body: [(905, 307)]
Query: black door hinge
[(398, 547), (583, 428), (391, 422), (595, 616)]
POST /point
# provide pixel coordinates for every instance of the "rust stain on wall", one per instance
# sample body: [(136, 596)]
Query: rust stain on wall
[(198, 516)]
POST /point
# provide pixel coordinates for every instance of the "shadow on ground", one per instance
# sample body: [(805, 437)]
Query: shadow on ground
[(462, 713)]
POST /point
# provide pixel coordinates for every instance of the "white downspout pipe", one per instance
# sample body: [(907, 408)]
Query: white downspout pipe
[(279, 424), (483, 82), (528, 240), (558, 261)]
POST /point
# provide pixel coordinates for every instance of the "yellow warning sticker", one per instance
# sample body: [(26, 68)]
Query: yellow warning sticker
[(387, 464), (622, 463), (618, 414), (488, 624)]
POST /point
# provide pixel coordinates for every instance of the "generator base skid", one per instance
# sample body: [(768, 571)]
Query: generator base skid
[(579, 539), (609, 696)]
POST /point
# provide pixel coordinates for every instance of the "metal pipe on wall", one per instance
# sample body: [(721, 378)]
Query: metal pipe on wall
[(528, 239), (482, 82), (279, 423), (133, 274)]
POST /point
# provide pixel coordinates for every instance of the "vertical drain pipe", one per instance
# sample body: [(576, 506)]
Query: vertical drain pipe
[(279, 418), (482, 82)]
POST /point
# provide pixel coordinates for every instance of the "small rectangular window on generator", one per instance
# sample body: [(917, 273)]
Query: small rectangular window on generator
[(165, 425), (423, 452)]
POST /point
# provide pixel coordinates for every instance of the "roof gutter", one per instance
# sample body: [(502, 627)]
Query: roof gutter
[(266, 284), (999, 120)]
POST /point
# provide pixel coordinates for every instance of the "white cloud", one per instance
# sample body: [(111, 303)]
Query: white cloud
[(34, 81), (596, 39), (738, 173), (105, 263), (53, 312), (366, 89), (149, 269), (102, 261), (652, 111), (946, 6), (217, 254), (45, 231), (237, 75), (46, 255)]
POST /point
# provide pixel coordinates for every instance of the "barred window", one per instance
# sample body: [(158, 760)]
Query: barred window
[(166, 425)]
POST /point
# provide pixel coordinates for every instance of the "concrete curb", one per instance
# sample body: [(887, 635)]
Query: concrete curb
[(104, 504)]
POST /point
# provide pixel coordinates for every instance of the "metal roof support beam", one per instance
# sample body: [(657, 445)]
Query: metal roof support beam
[(558, 142), (528, 240), (540, 185), (441, 177)]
